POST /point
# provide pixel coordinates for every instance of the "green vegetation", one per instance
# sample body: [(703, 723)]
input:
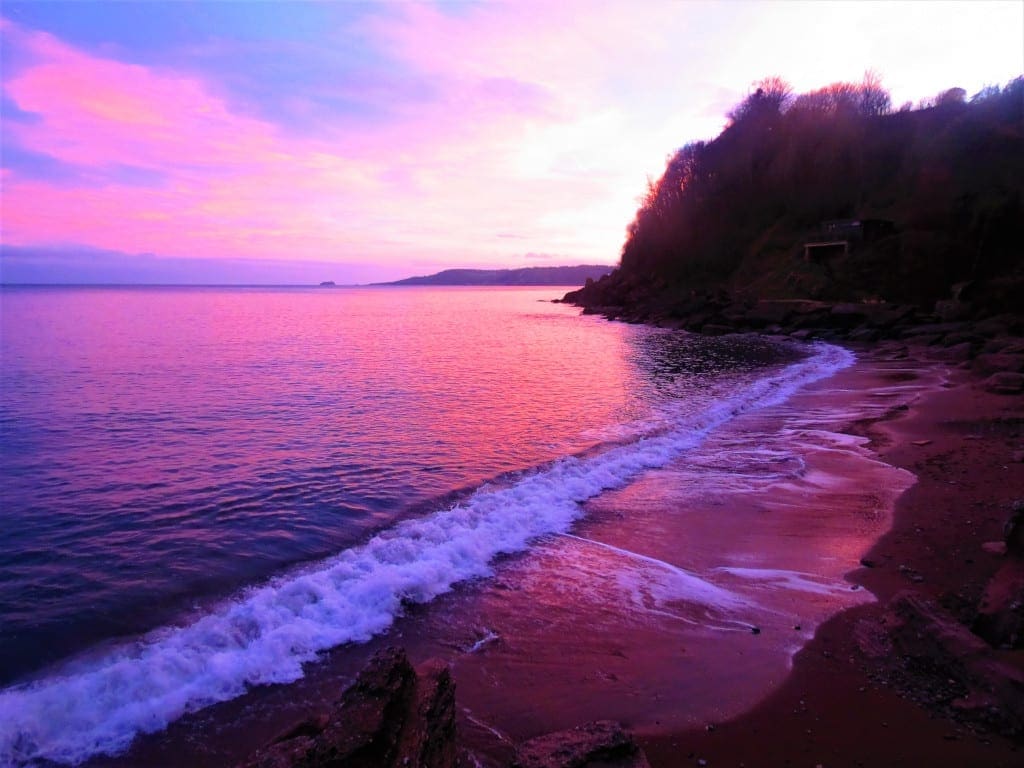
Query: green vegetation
[(733, 214)]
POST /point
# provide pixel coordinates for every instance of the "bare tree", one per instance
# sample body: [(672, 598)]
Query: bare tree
[(771, 96), (873, 99)]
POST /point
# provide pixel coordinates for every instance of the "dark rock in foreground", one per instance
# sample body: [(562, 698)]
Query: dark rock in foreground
[(601, 744), (1000, 618), (945, 665), (1005, 383), (392, 716)]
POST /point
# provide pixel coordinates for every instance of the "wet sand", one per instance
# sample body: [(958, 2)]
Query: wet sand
[(835, 709), (682, 598)]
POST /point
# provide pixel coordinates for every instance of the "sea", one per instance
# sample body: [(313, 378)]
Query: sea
[(212, 496)]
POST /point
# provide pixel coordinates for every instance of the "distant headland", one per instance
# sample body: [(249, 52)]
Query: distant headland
[(577, 275)]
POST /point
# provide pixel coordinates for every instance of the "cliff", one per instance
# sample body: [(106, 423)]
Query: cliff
[(831, 196)]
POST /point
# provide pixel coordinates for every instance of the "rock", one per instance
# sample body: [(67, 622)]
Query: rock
[(1000, 618), (992, 326), (940, 329), (1013, 530), (910, 574), (952, 339), (922, 339), (1008, 344), (848, 315), (392, 716), (768, 313), (1000, 325), (958, 353), (864, 334), (923, 631), (872, 639), (994, 362), (951, 309), (715, 329), (1005, 383), (933, 643), (600, 744)]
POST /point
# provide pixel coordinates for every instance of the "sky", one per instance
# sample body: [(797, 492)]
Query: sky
[(291, 142)]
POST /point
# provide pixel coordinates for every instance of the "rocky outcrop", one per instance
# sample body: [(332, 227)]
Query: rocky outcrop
[(944, 665), (600, 744), (1000, 618), (991, 347), (393, 716), (630, 298), (1005, 383)]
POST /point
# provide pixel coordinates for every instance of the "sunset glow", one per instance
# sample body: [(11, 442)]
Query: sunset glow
[(298, 142)]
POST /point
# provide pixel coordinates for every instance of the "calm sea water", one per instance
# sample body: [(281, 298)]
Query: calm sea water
[(203, 488)]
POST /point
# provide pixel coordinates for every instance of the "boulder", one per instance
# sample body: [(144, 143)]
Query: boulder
[(766, 313), (1005, 383), (1013, 530), (999, 325), (716, 329), (391, 716), (923, 339), (600, 744), (994, 362), (864, 334), (1000, 618), (934, 644), (961, 337), (848, 315), (952, 309), (940, 328), (1006, 344), (958, 353)]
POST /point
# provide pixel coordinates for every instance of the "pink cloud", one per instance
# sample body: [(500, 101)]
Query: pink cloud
[(98, 112), (436, 182)]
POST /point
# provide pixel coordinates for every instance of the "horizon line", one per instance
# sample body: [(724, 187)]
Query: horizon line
[(400, 283)]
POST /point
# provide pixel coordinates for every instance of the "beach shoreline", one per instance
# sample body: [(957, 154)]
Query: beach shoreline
[(833, 702), (829, 704), (837, 707)]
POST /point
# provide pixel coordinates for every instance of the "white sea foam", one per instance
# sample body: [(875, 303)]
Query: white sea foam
[(661, 582), (774, 578), (267, 633)]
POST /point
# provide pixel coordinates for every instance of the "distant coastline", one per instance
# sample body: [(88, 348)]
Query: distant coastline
[(576, 275)]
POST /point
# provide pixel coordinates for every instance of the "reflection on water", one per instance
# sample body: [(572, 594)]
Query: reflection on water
[(164, 446)]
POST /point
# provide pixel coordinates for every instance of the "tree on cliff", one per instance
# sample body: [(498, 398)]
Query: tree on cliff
[(733, 212)]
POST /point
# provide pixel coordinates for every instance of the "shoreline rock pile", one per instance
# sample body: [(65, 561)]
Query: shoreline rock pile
[(397, 716), (993, 347)]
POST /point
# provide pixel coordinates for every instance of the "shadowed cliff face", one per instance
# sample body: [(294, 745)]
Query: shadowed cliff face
[(734, 214)]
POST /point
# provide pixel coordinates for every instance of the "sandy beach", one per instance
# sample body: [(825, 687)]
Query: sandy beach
[(719, 615), (838, 708)]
